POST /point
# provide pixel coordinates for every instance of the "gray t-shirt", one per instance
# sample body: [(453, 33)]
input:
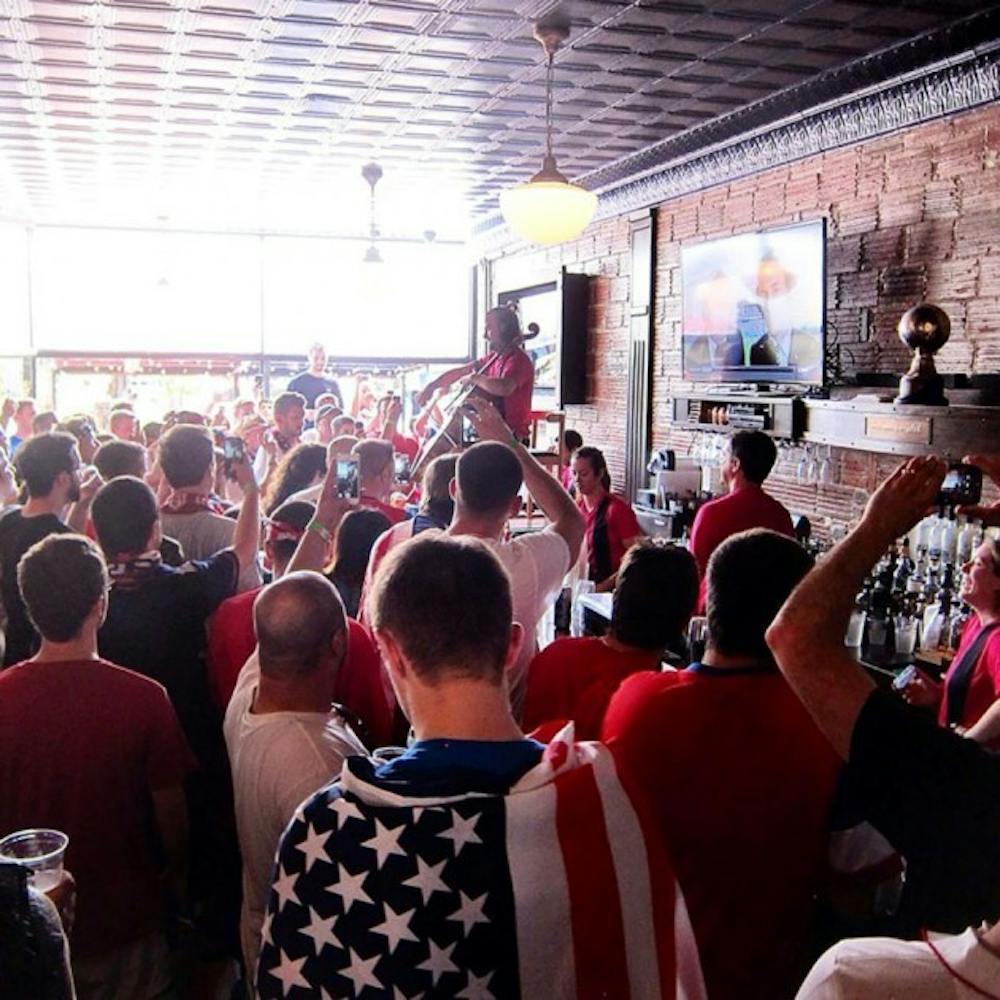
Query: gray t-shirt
[(201, 534), (278, 760)]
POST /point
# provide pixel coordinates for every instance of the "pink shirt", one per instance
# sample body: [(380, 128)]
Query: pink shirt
[(515, 408)]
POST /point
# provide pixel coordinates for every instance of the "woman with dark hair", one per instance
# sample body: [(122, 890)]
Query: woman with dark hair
[(972, 683), (612, 528), (302, 467), (356, 535)]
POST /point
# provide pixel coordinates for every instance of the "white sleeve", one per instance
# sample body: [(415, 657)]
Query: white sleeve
[(550, 554)]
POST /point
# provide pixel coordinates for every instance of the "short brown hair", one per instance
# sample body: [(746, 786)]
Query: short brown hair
[(373, 457), (124, 512), (749, 577), (488, 476), (41, 459), (186, 453), (287, 401), (61, 578), (655, 594), (446, 602), (120, 458)]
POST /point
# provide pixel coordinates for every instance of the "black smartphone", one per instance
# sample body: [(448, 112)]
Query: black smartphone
[(962, 486), (347, 478), (401, 465)]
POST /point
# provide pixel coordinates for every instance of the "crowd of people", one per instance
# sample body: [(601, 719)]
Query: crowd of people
[(306, 743)]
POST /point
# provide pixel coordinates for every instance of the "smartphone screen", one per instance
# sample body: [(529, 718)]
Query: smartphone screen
[(402, 468), (347, 478), (232, 449)]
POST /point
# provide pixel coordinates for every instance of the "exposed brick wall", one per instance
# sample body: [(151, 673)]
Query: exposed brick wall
[(912, 216)]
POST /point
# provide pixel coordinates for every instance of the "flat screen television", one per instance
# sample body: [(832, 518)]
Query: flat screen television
[(754, 306)]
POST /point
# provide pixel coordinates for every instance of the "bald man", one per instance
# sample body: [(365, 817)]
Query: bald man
[(285, 740)]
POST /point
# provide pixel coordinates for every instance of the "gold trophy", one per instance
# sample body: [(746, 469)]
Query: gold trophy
[(925, 329)]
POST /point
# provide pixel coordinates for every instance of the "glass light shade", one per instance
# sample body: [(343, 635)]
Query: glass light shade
[(548, 211)]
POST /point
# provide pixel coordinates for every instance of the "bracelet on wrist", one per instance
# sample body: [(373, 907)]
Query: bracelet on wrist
[(318, 529)]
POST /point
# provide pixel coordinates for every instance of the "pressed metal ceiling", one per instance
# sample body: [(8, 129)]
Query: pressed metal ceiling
[(259, 113)]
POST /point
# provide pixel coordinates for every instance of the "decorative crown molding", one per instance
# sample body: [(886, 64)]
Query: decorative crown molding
[(688, 163)]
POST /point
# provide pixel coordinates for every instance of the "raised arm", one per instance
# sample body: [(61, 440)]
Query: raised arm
[(807, 637), (555, 502), (79, 512), (246, 535), (444, 380), (313, 549)]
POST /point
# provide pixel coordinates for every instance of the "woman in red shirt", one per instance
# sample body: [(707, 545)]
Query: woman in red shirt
[(612, 528), (972, 683)]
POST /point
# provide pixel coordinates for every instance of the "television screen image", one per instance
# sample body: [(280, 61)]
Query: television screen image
[(753, 306)]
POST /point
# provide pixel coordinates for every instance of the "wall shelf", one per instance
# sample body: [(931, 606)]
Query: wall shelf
[(779, 415)]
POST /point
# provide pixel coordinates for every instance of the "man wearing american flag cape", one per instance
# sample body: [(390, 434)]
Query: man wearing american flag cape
[(479, 863)]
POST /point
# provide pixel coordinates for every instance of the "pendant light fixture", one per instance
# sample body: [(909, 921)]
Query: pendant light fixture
[(548, 209), (372, 173)]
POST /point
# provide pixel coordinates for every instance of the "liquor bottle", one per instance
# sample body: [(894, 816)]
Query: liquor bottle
[(904, 569), (949, 537), (966, 542), (934, 538)]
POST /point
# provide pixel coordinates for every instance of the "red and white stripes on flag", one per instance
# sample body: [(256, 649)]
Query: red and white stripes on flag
[(614, 917)]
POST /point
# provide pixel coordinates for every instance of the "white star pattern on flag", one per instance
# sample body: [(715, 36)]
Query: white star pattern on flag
[(462, 832), (321, 931), (384, 843), (284, 886), (470, 912), (428, 879), (395, 927), (439, 961), (289, 971), (265, 928), (361, 972), (349, 888), (346, 810), (476, 988), (313, 847)]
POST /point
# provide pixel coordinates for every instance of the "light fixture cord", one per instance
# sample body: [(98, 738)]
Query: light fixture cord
[(549, 74)]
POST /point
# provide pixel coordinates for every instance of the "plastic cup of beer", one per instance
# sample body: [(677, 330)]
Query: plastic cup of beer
[(40, 851), (855, 629)]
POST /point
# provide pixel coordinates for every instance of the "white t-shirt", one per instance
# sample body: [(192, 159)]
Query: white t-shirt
[(536, 564), (884, 968), (277, 760), (201, 534)]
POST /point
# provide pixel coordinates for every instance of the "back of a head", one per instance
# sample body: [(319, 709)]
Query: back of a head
[(356, 536), (41, 459), (120, 458), (185, 454), (286, 525), (460, 574), (62, 578), (488, 476), (124, 512), (298, 469), (437, 501), (44, 422), (749, 577), (342, 426), (295, 619), (756, 454), (374, 457), (572, 440), (287, 401), (655, 596)]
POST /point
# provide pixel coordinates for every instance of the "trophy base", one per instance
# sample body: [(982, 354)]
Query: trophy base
[(922, 390)]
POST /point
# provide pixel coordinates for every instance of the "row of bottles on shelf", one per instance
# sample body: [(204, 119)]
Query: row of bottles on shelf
[(912, 598)]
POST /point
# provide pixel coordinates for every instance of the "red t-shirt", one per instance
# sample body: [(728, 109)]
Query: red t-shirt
[(740, 782), (358, 686), (984, 682), (622, 529), (575, 679), (746, 508), (82, 746), (516, 407), (403, 445), (394, 514)]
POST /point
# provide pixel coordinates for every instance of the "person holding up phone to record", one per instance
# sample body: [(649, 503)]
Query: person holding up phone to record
[(972, 683)]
